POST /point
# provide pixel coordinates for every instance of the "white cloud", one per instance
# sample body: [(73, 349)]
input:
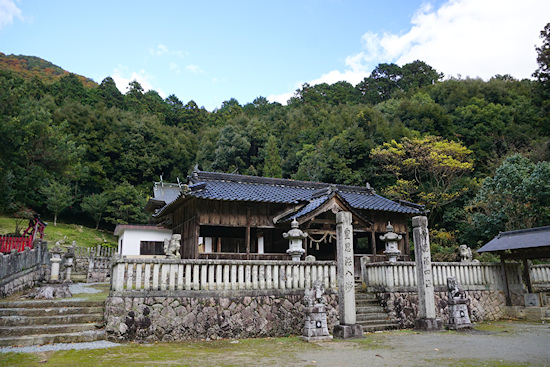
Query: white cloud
[(160, 50), (194, 69), (470, 37), (123, 76), (462, 37), (9, 11)]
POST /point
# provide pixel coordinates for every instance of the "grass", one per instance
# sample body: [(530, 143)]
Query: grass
[(67, 233)]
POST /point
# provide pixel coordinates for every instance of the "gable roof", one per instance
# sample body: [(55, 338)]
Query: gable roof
[(234, 187), (520, 240)]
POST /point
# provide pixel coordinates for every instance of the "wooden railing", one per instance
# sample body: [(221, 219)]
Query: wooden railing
[(143, 275), (7, 243), (401, 276), (540, 276)]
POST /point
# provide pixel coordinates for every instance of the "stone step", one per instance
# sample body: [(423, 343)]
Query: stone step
[(7, 331), (365, 303), (363, 295), (18, 320), (369, 309), (39, 339), (371, 316), (73, 302), (52, 311), (370, 328)]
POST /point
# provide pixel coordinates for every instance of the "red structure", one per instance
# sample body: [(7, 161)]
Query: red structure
[(34, 231)]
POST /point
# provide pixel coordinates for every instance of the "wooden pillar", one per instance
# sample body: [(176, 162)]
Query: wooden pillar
[(407, 246), (373, 240), (247, 235), (506, 289), (527, 276)]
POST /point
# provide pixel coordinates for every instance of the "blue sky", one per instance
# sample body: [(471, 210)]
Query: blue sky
[(211, 51)]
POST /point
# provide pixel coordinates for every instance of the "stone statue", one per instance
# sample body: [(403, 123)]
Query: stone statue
[(465, 254), (455, 289), (314, 296), (457, 306), (315, 321), (172, 247)]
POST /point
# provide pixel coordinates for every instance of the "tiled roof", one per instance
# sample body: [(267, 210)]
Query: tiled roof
[(521, 239), (232, 187)]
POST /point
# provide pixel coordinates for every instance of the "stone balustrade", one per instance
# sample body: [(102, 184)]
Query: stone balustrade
[(401, 276), (540, 276), (132, 276)]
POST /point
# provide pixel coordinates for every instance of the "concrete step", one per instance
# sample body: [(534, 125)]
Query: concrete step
[(52, 311), (6, 331), (17, 320), (39, 339)]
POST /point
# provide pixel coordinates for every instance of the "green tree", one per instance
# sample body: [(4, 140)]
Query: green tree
[(542, 74), (95, 206), (125, 205), (516, 197), (231, 150), (58, 197), (272, 163)]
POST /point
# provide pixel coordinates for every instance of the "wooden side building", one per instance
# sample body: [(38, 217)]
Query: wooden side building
[(231, 216)]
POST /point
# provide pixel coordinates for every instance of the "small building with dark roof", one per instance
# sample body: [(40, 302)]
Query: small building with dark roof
[(222, 216)]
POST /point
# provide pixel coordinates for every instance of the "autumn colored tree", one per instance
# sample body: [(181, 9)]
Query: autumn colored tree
[(429, 170)]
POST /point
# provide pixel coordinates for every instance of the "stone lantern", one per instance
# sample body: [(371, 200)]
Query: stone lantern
[(391, 239), (295, 238)]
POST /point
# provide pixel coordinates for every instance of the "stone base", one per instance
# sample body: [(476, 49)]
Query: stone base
[(458, 315), (354, 331), (315, 339), (428, 324)]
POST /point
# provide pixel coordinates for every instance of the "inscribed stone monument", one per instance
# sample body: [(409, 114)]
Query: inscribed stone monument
[(423, 259), (346, 279)]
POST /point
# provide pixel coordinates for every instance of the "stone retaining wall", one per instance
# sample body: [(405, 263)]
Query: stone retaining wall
[(483, 305), (22, 270), (209, 315)]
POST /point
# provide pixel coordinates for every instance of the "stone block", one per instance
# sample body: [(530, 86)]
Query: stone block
[(354, 331), (428, 324)]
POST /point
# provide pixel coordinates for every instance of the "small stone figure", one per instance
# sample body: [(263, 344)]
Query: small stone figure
[(172, 247), (314, 297), (458, 308), (465, 254), (315, 326)]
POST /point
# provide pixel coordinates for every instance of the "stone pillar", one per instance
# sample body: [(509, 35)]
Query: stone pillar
[(346, 280), (69, 262), (423, 259), (56, 260)]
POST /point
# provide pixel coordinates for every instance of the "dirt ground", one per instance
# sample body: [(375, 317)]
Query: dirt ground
[(498, 344), (505, 343)]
